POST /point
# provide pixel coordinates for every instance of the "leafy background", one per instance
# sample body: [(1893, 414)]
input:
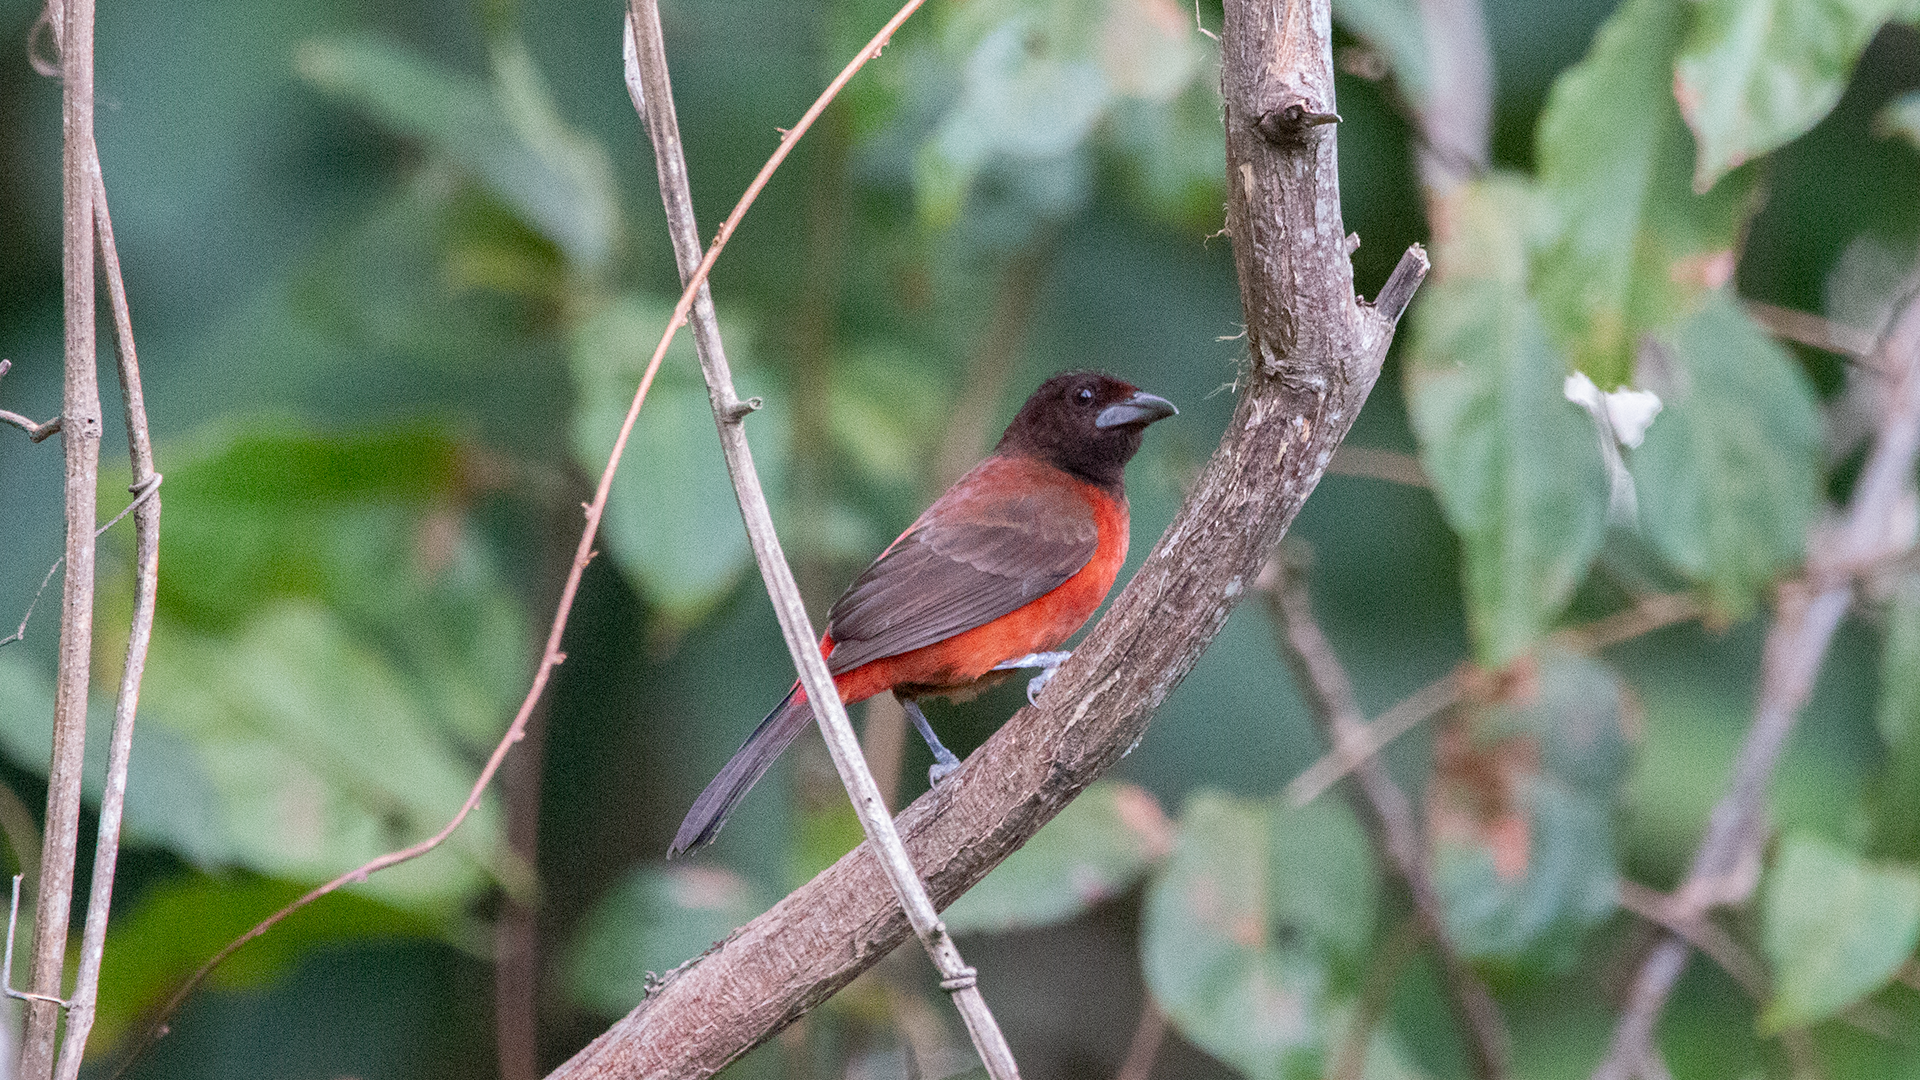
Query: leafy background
[(393, 270)]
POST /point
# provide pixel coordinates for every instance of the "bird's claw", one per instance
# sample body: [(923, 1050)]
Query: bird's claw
[(1038, 683), (940, 770), (1047, 662)]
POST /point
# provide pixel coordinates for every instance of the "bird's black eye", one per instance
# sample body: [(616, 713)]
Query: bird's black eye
[(1083, 395)]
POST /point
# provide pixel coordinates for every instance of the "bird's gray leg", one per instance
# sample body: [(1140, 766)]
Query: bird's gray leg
[(943, 760), (1047, 662)]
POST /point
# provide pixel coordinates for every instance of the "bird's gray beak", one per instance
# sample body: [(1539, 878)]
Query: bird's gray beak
[(1141, 408)]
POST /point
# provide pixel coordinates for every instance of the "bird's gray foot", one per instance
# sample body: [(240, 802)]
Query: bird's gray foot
[(943, 760), (1047, 662)]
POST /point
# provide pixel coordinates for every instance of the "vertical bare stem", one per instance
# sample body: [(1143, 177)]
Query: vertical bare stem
[(80, 435), (653, 94), (146, 531), (1382, 804), (1809, 611)]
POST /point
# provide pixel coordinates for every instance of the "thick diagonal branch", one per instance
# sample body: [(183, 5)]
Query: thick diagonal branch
[(1316, 352)]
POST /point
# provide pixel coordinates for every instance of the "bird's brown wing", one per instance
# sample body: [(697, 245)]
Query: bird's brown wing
[(981, 551)]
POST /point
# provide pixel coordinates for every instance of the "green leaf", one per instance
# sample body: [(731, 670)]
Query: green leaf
[(333, 652), (1634, 247), (508, 136), (1394, 30), (1257, 910), (172, 927), (1757, 74), (1728, 476), (170, 800), (368, 526), (659, 918), (1897, 827), (1835, 927), (672, 520), (1093, 851), (1521, 814), (1516, 467)]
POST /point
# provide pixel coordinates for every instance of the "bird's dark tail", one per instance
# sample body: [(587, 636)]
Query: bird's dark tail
[(748, 764)]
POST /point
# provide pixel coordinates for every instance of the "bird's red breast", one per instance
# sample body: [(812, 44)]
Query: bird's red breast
[(1013, 559)]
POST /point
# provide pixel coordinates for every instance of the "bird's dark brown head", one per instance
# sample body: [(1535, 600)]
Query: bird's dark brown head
[(1086, 422)]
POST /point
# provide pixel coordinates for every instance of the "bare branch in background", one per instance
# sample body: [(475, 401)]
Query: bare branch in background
[(146, 533), (1811, 330), (652, 92), (80, 437), (1315, 353), (1380, 802), (1809, 610), (1456, 120)]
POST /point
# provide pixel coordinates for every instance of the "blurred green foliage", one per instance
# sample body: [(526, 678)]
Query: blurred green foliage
[(395, 272)]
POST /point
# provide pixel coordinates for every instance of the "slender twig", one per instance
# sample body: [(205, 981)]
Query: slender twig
[(648, 82), (1808, 612), (1808, 329), (80, 436), (1149, 1035), (146, 532), (1389, 465), (584, 552), (1380, 802), (35, 431), (1456, 119), (1700, 931), (1644, 617), (1355, 746)]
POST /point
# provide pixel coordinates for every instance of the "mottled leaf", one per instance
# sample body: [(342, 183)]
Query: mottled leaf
[(1259, 908), (322, 757), (1634, 247), (1516, 467), (1835, 927), (1756, 74), (1094, 850), (672, 521), (656, 920), (1520, 811), (1728, 476)]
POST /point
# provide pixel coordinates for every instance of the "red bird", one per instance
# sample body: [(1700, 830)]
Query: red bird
[(1000, 570)]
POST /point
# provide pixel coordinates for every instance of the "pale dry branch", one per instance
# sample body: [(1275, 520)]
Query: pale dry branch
[(80, 439), (652, 91), (1314, 353), (146, 532)]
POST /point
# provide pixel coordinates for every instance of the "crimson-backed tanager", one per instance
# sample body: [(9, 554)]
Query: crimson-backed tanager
[(996, 574)]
